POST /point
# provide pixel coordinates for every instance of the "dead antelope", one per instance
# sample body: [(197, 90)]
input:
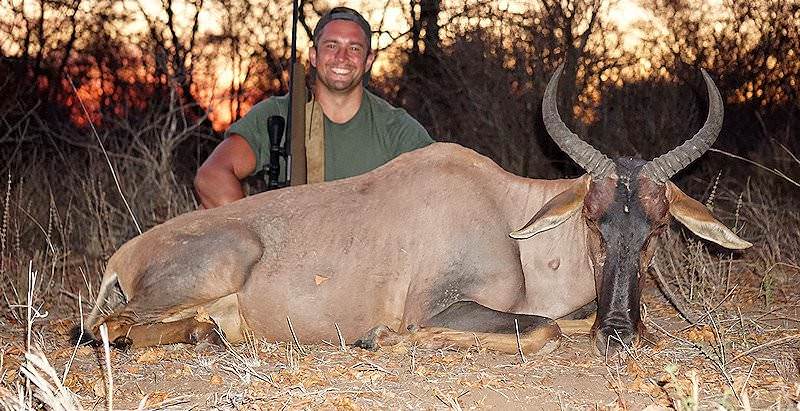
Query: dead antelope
[(420, 244)]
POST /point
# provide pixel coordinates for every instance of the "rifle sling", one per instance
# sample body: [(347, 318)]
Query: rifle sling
[(315, 143)]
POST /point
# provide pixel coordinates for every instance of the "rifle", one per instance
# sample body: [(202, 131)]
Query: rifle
[(275, 128), (294, 145)]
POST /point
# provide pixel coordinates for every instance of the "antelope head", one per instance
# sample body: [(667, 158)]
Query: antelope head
[(625, 204)]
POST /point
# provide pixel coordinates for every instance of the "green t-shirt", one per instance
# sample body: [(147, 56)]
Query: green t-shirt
[(374, 136)]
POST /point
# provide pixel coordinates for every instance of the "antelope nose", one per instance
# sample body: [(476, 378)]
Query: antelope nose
[(615, 336)]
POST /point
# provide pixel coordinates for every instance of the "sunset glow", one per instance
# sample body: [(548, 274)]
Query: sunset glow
[(389, 19), (229, 70), (625, 14)]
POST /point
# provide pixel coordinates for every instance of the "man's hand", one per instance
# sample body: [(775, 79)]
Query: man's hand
[(219, 179)]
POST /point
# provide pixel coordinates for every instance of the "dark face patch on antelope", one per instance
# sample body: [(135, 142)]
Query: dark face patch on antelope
[(626, 206), (624, 211)]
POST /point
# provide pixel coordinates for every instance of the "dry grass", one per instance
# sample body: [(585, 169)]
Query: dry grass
[(737, 351), (740, 318), (54, 238)]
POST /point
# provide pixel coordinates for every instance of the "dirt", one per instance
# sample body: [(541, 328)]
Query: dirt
[(268, 375)]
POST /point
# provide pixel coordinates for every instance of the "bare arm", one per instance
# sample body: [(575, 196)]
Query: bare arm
[(218, 180)]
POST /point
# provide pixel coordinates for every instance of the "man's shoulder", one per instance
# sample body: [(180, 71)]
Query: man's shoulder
[(380, 105), (271, 104), (403, 131), (385, 110)]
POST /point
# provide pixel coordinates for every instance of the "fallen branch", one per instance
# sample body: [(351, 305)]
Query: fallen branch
[(772, 343)]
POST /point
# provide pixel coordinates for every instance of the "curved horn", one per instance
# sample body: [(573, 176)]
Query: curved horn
[(660, 169), (589, 158)]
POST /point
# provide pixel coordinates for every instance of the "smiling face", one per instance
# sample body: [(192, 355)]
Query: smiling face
[(341, 56)]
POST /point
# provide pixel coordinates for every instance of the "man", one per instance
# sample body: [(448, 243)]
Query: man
[(361, 130)]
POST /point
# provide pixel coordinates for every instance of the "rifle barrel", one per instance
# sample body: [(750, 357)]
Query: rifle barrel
[(289, 123)]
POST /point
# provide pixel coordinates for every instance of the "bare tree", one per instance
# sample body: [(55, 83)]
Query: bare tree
[(481, 84), (750, 47)]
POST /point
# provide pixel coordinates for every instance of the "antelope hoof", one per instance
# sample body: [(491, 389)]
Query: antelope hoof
[(371, 341), (206, 333), (78, 336), (122, 343)]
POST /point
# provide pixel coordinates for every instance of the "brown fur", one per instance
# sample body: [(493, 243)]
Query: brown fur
[(430, 227), (394, 249)]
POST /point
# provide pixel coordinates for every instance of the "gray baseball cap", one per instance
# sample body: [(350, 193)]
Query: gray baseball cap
[(343, 13)]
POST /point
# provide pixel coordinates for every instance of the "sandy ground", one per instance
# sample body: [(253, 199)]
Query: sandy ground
[(732, 358)]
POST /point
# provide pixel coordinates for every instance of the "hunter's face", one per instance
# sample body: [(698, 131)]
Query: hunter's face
[(342, 56)]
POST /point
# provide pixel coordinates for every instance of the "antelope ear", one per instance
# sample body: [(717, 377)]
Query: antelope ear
[(697, 218), (557, 210)]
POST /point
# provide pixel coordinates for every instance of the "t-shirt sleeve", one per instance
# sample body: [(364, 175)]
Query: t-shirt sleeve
[(253, 128), (407, 133)]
